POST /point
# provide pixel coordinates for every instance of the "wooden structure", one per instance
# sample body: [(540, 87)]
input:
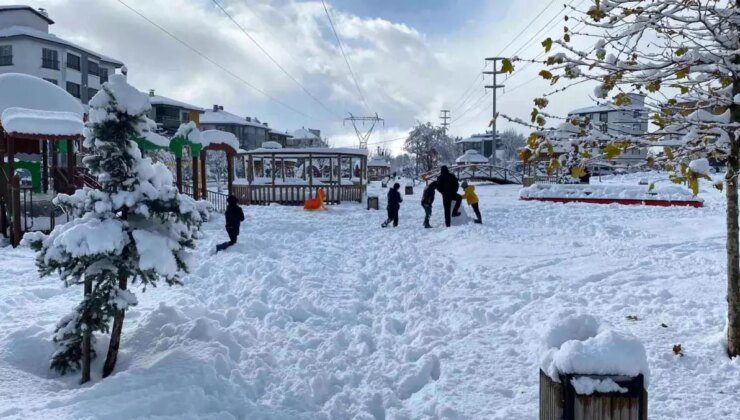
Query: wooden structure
[(341, 172), (559, 400), (378, 169), (36, 118), (478, 172)]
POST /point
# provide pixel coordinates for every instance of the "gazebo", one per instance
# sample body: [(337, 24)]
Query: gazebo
[(378, 168), (38, 120), (471, 157), (329, 168)]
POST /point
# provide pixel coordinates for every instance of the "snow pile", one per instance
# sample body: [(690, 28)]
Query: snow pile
[(585, 385), (189, 131), (51, 123), (471, 156), (608, 191), (24, 91), (128, 99), (580, 344), (209, 137), (700, 166)]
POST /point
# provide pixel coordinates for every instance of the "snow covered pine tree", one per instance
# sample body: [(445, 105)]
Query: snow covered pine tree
[(135, 228), (685, 57)]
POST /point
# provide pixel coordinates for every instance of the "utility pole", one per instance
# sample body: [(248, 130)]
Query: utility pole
[(445, 117), (494, 72)]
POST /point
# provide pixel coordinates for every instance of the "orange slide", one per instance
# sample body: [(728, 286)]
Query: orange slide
[(316, 203)]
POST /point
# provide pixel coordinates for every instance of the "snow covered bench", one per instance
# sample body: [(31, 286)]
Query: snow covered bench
[(670, 195)]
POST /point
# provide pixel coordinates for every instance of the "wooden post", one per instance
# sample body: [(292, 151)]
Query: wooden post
[(194, 168), (15, 197), (272, 176), (11, 159), (45, 166), (178, 172), (310, 170), (331, 170), (282, 168), (250, 174), (351, 169), (230, 168), (71, 186)]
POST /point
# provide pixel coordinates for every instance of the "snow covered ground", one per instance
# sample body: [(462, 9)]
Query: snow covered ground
[(326, 315)]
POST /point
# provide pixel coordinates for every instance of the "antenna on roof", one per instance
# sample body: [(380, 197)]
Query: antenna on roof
[(43, 11)]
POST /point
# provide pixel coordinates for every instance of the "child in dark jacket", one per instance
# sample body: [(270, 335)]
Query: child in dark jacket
[(394, 204), (427, 199), (234, 218)]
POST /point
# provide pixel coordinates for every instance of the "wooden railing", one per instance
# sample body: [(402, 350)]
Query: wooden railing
[(295, 195), (483, 172), (218, 200)]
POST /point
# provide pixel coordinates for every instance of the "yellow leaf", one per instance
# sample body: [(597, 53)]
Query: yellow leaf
[(506, 66), (553, 166), (622, 99), (719, 185), (546, 74), (525, 154), (566, 37), (541, 102), (668, 152), (694, 185), (578, 172), (547, 44), (651, 187), (681, 74), (611, 151), (534, 114), (653, 86), (681, 51)]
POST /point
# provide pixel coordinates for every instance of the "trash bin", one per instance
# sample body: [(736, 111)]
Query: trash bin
[(409, 190), (373, 203)]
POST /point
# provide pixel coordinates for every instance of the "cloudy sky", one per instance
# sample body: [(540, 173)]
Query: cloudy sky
[(411, 58)]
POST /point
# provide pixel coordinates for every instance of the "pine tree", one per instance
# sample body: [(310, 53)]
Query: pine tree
[(135, 229)]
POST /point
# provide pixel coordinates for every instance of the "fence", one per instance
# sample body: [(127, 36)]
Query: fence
[(295, 195)]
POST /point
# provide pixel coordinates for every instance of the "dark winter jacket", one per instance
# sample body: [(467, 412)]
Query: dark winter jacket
[(447, 183), (234, 217), (427, 197), (394, 199)]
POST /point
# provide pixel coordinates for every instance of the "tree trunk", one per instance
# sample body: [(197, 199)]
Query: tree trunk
[(115, 335), (733, 259), (86, 340)]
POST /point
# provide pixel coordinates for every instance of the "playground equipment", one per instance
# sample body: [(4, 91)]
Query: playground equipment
[(316, 203)]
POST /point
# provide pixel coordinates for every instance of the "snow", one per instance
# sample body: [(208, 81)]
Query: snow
[(155, 252), (594, 191), (52, 123), (24, 91), (163, 100), (211, 117), (208, 137), (129, 99), (271, 145), (378, 162), (700, 166), (471, 156), (302, 134), (585, 385), (326, 315)]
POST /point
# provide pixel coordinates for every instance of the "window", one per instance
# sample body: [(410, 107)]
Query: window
[(54, 81), (73, 62), (604, 116), (103, 75), (50, 59), (73, 89), (636, 113), (91, 92), (636, 127), (6, 55), (92, 68)]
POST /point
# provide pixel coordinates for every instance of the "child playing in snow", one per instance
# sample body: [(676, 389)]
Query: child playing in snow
[(394, 204), (472, 198), (427, 199), (234, 218)]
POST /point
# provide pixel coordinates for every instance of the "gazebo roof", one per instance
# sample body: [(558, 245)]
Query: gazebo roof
[(32, 106), (210, 137), (317, 152), (378, 162)]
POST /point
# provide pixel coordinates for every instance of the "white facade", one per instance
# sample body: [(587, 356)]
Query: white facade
[(27, 47)]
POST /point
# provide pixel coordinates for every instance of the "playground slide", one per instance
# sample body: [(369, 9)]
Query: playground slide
[(316, 203)]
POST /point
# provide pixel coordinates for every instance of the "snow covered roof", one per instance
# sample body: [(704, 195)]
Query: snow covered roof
[(35, 122), (225, 117), (219, 137), (378, 161), (471, 156), (271, 145), (303, 133), (14, 31), (475, 138), (163, 100), (36, 106)]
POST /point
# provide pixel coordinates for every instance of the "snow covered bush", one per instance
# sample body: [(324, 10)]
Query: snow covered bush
[(136, 228)]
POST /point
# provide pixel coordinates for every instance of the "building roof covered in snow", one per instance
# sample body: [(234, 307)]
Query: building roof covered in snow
[(378, 162), (475, 138), (471, 156), (638, 102), (37, 12), (303, 133), (163, 100), (213, 116)]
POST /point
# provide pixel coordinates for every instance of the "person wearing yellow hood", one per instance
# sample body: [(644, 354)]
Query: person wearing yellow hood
[(472, 198)]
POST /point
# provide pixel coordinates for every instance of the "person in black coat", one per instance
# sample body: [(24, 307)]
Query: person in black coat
[(427, 199), (234, 219), (447, 185), (394, 204)]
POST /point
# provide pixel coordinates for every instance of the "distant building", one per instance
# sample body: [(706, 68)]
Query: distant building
[(26, 46), (250, 131), (279, 137), (303, 138), (482, 143), (169, 113)]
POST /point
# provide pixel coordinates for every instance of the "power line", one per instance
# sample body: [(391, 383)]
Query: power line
[(267, 54), (341, 48), (526, 27), (210, 60)]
